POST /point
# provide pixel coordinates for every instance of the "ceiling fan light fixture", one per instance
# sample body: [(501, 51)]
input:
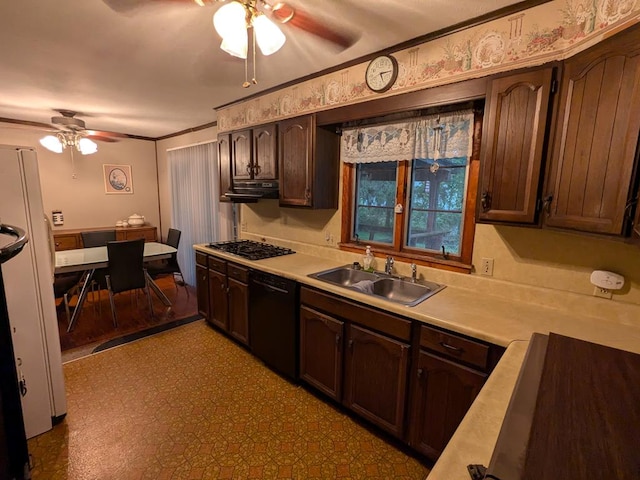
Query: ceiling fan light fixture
[(268, 36), (52, 143), (229, 19), (87, 146), (236, 44)]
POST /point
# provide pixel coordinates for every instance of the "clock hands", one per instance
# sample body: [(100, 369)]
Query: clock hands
[(382, 73)]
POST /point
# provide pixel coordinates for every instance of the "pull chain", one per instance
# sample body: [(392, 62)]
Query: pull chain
[(253, 34)]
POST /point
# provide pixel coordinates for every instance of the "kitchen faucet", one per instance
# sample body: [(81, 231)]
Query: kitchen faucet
[(388, 266), (414, 273)]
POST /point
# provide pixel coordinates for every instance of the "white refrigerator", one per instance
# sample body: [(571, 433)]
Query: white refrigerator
[(28, 282)]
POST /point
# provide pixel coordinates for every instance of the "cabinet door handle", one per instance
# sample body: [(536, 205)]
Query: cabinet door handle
[(419, 373), (249, 169), (221, 287), (485, 201), (451, 348), (307, 193), (546, 206), (629, 206), (351, 344), (337, 339)]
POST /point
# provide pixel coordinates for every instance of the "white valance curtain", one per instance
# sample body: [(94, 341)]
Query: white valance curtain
[(433, 137)]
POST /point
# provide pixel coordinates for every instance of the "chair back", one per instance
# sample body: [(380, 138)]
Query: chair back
[(125, 264), (173, 238), (98, 238)]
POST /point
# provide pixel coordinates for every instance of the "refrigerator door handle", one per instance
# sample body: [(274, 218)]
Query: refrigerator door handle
[(52, 247)]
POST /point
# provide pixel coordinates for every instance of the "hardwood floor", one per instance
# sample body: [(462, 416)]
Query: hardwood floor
[(95, 326)]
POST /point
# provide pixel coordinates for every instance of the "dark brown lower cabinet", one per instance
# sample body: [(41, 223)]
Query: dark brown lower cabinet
[(376, 378), (445, 391), (321, 347), (238, 303), (218, 310), (202, 290)]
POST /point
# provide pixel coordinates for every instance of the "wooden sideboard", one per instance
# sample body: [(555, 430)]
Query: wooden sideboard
[(71, 238)]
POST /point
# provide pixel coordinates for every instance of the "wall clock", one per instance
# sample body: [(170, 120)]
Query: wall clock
[(382, 73)]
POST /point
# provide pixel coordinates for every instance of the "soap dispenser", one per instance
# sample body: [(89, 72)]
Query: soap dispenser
[(368, 259)]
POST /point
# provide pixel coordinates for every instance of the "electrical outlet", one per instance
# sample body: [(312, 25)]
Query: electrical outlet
[(327, 236), (243, 226), (602, 292), (486, 267)]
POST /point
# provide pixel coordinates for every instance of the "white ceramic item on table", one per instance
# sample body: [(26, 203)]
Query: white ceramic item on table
[(119, 223), (136, 220), (125, 224)]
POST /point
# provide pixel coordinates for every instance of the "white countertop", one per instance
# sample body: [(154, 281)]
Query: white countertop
[(496, 319)]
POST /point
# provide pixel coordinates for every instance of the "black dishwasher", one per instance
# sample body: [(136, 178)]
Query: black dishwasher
[(273, 322)]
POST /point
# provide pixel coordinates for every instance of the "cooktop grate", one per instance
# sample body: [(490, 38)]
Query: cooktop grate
[(251, 250)]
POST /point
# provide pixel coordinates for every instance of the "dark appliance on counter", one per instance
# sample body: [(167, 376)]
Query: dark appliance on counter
[(250, 191), (573, 414), (251, 250), (14, 453), (273, 322)]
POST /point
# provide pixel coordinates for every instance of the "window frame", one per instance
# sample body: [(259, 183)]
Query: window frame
[(457, 263)]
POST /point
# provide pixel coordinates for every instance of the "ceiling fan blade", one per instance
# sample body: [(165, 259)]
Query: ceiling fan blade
[(105, 136), (126, 6), (297, 18), (28, 125)]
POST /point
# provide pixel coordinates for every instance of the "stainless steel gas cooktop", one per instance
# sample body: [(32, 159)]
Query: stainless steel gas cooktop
[(251, 250)]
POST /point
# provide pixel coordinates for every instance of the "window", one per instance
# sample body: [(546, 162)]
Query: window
[(407, 189)]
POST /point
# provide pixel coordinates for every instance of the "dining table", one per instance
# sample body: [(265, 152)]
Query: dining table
[(88, 260)]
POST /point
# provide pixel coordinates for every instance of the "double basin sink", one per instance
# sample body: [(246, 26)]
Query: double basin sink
[(377, 284)]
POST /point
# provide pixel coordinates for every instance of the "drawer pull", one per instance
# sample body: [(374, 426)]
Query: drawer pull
[(451, 348)]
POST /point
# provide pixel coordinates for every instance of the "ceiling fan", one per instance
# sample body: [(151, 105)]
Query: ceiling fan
[(279, 12), (70, 131)]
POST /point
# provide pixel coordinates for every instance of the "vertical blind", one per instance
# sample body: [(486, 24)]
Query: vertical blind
[(194, 192)]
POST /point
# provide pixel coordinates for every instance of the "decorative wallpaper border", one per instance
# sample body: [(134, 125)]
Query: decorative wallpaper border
[(552, 31)]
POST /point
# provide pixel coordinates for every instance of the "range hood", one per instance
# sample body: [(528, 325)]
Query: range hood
[(250, 191)]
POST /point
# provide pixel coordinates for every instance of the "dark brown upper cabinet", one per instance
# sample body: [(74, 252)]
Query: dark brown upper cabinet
[(513, 146), (265, 152), (308, 158), (254, 153), (590, 183), (224, 164), (241, 155)]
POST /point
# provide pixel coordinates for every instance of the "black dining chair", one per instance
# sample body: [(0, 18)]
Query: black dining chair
[(169, 266), (126, 272), (98, 238), (66, 285)]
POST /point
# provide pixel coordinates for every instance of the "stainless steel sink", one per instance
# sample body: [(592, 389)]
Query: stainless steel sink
[(344, 276), (395, 289)]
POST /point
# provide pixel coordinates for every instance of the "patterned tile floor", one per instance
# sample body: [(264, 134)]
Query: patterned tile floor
[(191, 404)]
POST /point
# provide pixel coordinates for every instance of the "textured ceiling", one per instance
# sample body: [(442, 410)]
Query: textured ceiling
[(153, 68)]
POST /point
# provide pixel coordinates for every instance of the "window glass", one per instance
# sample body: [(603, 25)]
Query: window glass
[(436, 198), (375, 200)]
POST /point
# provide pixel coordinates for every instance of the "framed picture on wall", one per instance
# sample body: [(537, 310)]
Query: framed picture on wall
[(117, 179)]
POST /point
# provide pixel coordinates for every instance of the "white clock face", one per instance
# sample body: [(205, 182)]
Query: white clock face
[(381, 73)]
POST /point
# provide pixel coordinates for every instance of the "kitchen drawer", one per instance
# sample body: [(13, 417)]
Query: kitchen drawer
[(217, 264), (201, 259), (66, 242), (237, 272), (454, 346)]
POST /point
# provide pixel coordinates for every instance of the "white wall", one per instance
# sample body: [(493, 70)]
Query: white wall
[(83, 200)]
